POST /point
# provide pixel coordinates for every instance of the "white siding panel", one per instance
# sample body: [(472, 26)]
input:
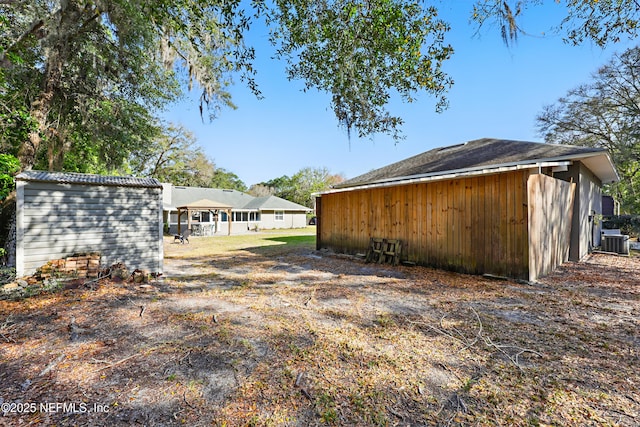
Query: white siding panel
[(292, 219), (60, 220)]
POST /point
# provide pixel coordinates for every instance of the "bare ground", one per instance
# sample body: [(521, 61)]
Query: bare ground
[(296, 337)]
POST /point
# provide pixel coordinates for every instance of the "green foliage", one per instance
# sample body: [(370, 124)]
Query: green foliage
[(223, 178), (282, 187), (302, 185), (173, 156), (363, 52), (308, 181), (604, 113), (81, 82), (603, 22), (628, 224), (119, 62), (15, 125), (9, 166)]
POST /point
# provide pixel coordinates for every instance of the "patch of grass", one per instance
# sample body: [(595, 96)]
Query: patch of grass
[(268, 242), (385, 320), (326, 408)]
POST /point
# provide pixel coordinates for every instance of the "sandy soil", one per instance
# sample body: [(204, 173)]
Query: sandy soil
[(300, 338)]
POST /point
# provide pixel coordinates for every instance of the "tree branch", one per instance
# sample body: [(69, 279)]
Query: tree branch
[(33, 28)]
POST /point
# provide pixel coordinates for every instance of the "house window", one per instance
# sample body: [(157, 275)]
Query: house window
[(240, 216), (279, 215), (205, 217), (254, 216), (223, 217), (195, 216)]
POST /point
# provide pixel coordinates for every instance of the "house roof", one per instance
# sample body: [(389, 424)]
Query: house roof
[(184, 196), (205, 204), (237, 200), (486, 156), (87, 179), (273, 203)]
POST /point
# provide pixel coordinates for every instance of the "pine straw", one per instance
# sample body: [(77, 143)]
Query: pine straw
[(305, 338)]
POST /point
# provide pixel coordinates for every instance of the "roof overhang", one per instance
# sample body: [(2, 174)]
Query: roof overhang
[(205, 204), (598, 162), (602, 167)]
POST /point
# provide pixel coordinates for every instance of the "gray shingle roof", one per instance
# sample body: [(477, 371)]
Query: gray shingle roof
[(183, 196), (479, 153), (87, 179), (273, 203)]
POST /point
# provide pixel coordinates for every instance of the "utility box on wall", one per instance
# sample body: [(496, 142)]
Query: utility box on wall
[(62, 214)]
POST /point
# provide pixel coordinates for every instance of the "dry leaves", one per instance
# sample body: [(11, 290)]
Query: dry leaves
[(309, 338)]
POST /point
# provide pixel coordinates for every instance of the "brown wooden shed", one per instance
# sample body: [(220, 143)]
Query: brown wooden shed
[(509, 208)]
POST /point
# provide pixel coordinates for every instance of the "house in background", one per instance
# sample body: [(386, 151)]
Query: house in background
[(509, 208), (62, 214), (212, 211)]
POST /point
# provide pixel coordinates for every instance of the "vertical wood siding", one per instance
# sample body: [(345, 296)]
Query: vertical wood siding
[(550, 216), (59, 220), (475, 225)]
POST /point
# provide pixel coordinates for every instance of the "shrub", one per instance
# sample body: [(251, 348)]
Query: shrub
[(628, 224)]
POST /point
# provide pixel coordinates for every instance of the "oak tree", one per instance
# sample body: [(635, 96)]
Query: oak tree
[(95, 60), (604, 112)]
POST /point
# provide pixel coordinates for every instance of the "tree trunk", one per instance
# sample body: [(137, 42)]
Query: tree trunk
[(60, 30), (8, 229)]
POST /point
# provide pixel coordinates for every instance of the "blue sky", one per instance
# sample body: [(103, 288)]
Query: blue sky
[(498, 92)]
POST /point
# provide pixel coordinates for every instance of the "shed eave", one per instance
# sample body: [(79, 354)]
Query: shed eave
[(453, 174), (602, 167), (72, 178), (598, 162)]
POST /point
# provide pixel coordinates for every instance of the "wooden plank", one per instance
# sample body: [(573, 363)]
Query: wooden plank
[(468, 258), (478, 224), (319, 236), (489, 225), (550, 211), (452, 218), (523, 231), (430, 241), (440, 219), (509, 224), (421, 247), (503, 230), (449, 231), (363, 217), (478, 241)]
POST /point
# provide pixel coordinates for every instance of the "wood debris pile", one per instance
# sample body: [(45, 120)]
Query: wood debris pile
[(79, 266)]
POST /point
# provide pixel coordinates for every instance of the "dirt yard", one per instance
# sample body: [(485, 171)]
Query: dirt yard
[(238, 333)]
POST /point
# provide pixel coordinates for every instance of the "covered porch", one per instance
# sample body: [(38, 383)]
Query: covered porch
[(203, 227)]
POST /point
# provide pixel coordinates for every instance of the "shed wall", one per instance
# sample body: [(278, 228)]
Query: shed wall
[(475, 225), (550, 221), (59, 220)]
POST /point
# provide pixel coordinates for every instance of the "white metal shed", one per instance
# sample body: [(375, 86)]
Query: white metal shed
[(62, 214)]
